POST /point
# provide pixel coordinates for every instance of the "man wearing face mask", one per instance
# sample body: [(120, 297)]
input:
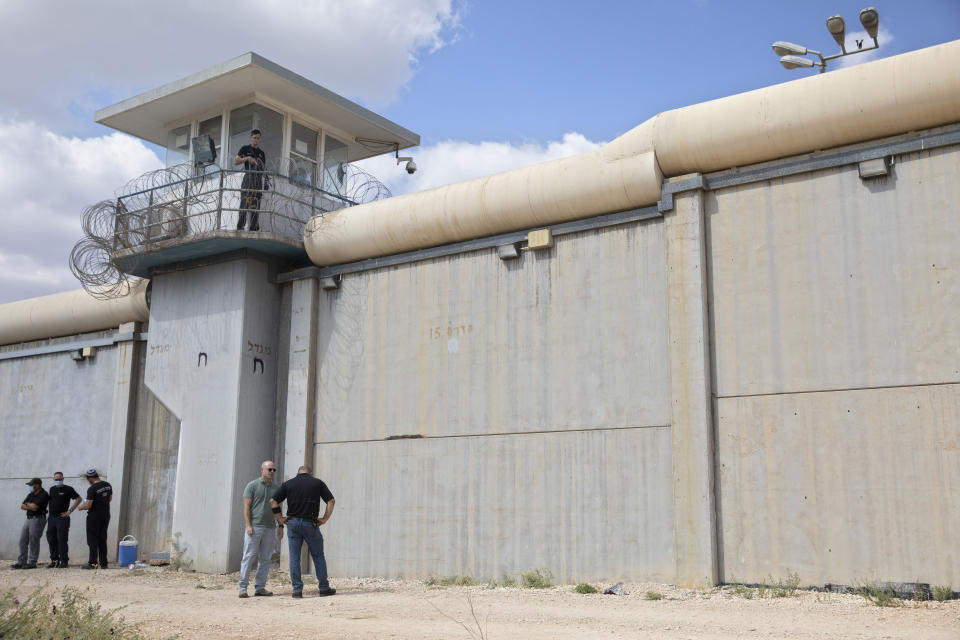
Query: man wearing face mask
[(35, 504), (58, 527)]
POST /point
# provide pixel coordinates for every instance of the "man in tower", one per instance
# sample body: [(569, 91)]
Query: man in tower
[(97, 507), (303, 494), (259, 538), (35, 504), (58, 527), (254, 162)]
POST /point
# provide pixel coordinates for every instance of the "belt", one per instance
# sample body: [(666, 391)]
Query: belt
[(39, 515)]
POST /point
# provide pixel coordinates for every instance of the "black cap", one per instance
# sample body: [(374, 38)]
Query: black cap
[(34, 481)]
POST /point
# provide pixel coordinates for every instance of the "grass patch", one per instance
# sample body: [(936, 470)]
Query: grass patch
[(742, 590), (450, 581), (583, 587), (210, 587), (653, 595), (787, 587), (942, 592), (40, 615), (880, 595), (536, 579)]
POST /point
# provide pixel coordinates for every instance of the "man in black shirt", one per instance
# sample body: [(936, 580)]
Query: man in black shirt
[(254, 161), (58, 528), (97, 505), (303, 494), (35, 504)]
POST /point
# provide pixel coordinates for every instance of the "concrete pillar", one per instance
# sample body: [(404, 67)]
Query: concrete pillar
[(212, 360), (121, 420), (690, 393), (301, 387)]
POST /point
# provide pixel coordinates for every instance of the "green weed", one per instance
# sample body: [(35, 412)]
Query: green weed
[(40, 615), (450, 581), (653, 595), (880, 595), (583, 587), (536, 579), (942, 592)]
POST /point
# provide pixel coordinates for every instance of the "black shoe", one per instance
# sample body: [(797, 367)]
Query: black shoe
[(262, 592), (243, 594), (53, 565), (63, 565), (297, 594), (89, 566), (329, 591), (103, 566), (257, 228), (29, 566), (16, 566)]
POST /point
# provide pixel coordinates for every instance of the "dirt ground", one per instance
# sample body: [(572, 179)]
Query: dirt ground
[(190, 605)]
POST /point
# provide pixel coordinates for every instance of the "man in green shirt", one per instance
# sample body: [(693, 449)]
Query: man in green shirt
[(261, 530)]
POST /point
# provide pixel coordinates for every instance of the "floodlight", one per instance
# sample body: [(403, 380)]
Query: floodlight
[(796, 62), (870, 20), (782, 48), (838, 29)]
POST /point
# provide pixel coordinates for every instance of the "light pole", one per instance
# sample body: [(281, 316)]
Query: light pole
[(792, 56)]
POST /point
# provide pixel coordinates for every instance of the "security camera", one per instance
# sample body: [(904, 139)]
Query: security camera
[(411, 165)]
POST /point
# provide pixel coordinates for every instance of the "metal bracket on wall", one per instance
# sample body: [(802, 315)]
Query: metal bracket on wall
[(77, 345)]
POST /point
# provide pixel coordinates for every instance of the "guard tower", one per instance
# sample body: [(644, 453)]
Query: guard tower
[(215, 311)]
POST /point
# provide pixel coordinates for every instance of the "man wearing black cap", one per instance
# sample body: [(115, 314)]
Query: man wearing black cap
[(303, 495), (35, 504), (58, 528), (99, 496)]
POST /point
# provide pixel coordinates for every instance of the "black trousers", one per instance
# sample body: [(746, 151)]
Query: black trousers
[(97, 537), (58, 530)]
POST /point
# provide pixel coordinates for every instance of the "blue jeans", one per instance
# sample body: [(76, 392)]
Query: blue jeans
[(298, 532)]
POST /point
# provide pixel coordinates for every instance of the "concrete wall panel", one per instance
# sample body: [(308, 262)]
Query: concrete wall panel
[(588, 505), (568, 338), (823, 281), (54, 416), (841, 486)]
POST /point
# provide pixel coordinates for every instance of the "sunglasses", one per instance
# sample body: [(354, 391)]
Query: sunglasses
[(271, 470)]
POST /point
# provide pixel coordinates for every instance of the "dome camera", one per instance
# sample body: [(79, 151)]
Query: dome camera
[(411, 167)]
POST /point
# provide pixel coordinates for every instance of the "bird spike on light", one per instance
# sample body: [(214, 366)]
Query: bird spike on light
[(838, 29), (870, 20)]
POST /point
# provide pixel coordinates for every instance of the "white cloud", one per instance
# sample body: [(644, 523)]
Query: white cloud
[(74, 57), (454, 161), (46, 185), (884, 37)]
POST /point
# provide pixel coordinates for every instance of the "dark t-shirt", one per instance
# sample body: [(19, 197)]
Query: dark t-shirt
[(60, 498), (99, 493), (40, 499), (253, 152), (303, 494)]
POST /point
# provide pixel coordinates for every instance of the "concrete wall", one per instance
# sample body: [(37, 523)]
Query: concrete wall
[(835, 306), (54, 416), (538, 393), (151, 468), (212, 361)]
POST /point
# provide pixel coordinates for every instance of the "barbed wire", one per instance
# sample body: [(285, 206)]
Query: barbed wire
[(178, 201)]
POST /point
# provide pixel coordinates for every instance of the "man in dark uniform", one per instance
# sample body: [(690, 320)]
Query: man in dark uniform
[(35, 504), (254, 162), (97, 505), (58, 528), (304, 494)]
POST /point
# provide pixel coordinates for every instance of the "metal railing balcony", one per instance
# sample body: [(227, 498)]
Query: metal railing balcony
[(211, 201)]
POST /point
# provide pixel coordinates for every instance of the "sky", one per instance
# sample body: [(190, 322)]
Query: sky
[(489, 85)]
